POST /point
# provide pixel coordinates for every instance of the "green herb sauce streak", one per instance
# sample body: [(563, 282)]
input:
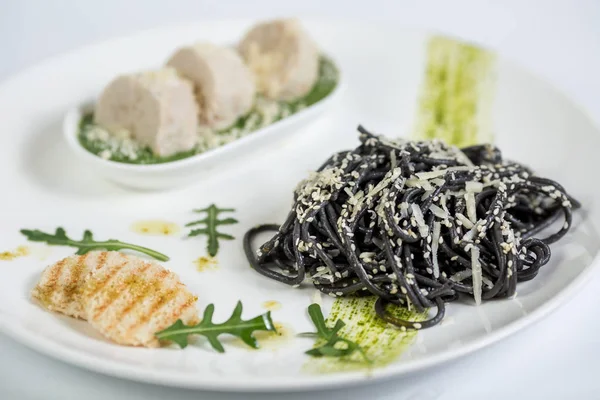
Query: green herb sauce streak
[(457, 93), (382, 342), (326, 82)]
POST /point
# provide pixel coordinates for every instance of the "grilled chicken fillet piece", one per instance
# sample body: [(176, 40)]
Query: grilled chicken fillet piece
[(129, 303), (61, 284), (125, 298)]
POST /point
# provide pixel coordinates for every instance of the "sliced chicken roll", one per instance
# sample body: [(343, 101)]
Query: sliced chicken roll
[(131, 303), (60, 287), (224, 86), (156, 108), (283, 58)]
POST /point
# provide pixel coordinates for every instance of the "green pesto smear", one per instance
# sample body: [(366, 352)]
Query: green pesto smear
[(382, 342), (265, 112), (457, 93)]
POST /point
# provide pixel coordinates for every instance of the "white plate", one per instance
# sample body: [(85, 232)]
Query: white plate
[(44, 187)]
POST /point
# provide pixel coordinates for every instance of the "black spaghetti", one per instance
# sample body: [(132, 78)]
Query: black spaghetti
[(415, 224)]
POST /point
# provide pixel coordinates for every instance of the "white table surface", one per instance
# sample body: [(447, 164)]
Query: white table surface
[(557, 358)]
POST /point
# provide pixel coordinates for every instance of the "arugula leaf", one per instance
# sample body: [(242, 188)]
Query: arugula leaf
[(87, 243), (335, 346), (211, 223), (235, 325)]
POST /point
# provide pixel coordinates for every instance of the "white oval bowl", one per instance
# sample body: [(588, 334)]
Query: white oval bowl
[(188, 170)]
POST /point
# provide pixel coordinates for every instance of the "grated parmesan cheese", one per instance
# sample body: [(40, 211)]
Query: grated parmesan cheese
[(477, 274), (434, 249), (423, 228)]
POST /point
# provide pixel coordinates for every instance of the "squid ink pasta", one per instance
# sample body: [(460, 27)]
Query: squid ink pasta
[(416, 224)]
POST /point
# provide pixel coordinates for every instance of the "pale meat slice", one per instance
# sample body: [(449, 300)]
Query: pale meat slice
[(283, 58), (128, 305), (224, 86), (61, 284), (155, 108)]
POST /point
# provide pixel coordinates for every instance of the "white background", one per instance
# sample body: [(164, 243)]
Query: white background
[(557, 358)]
